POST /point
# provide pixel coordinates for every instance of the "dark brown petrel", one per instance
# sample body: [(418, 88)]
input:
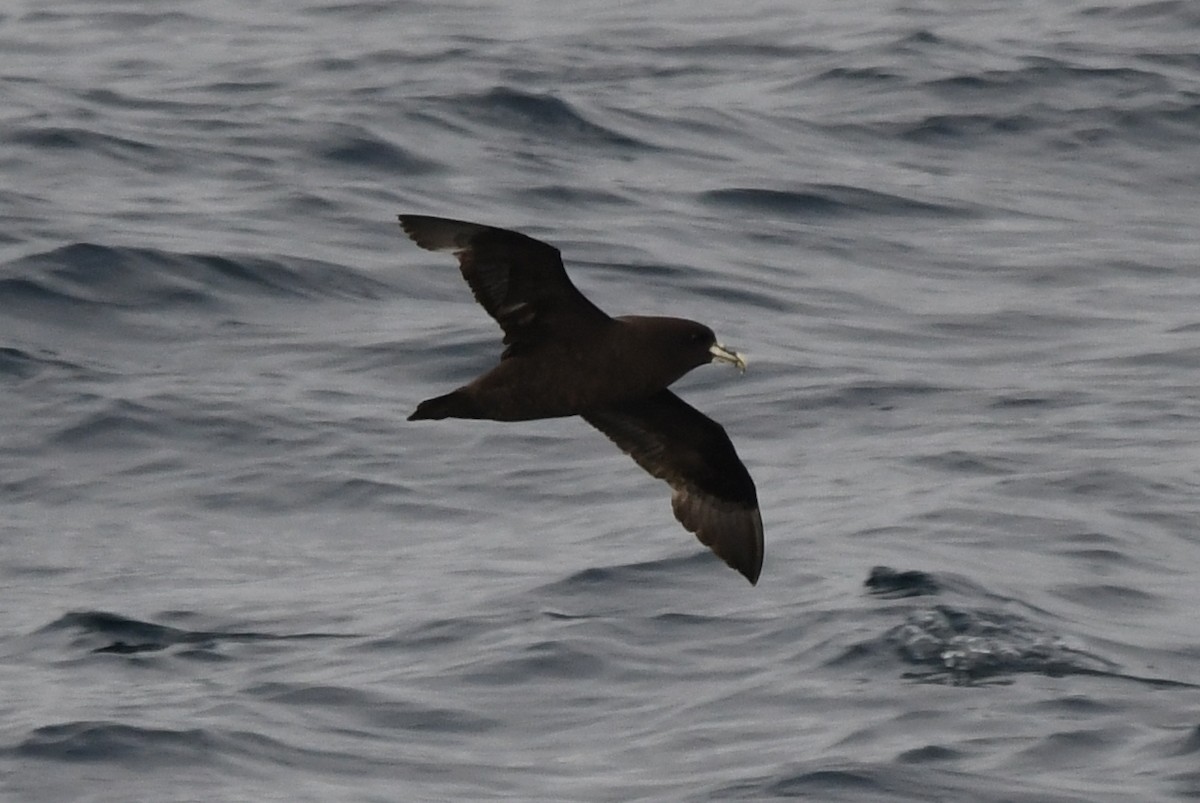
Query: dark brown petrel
[(563, 357)]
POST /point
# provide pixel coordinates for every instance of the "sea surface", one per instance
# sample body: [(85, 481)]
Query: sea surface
[(959, 243)]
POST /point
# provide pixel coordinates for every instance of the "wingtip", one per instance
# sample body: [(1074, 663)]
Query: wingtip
[(746, 562), (749, 562), (439, 233), (750, 569), (422, 230)]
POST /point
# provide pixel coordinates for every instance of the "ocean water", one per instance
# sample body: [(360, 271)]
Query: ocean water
[(957, 240)]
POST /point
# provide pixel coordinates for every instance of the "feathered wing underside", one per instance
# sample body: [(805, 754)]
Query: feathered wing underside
[(713, 494), (520, 281)]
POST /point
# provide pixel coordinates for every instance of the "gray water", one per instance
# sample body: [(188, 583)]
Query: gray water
[(957, 241)]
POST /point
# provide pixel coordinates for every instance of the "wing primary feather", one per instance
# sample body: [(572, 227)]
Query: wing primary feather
[(713, 495)]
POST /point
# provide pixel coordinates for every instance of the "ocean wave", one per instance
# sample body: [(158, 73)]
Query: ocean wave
[(150, 748), (103, 632), (357, 147), (958, 644), (81, 139), (378, 710), (122, 277), (828, 199), (120, 743), (540, 116)]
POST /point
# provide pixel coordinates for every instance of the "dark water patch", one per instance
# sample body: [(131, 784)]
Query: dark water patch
[(1093, 539), (615, 589), (676, 620), (381, 712), (1023, 401), (355, 493), (1004, 325), (885, 581), (1101, 552), (1184, 358), (1074, 747), (736, 46), (1075, 705), (335, 64), (18, 364), (544, 117), (1044, 74), (827, 200), (170, 419), (244, 86), (119, 743), (1110, 559), (1104, 484), (243, 747), (836, 783), (960, 130), (354, 146), (548, 196), (872, 395), (102, 632), (436, 633), (357, 10), (151, 749), (79, 139), (17, 294), (860, 75), (629, 574), (960, 463), (735, 294), (1109, 597), (1189, 745), (37, 571), (298, 694), (896, 782), (1172, 122), (384, 356), (1189, 62), (930, 753), (1174, 13), (144, 278), (118, 99), (920, 37), (120, 424), (291, 276), (123, 21), (563, 659), (305, 204)]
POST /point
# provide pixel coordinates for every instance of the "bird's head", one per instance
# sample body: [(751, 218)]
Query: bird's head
[(682, 345)]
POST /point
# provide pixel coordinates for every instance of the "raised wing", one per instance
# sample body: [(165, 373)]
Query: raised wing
[(520, 281), (714, 496)]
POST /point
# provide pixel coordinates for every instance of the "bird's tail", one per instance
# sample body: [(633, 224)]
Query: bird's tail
[(454, 404)]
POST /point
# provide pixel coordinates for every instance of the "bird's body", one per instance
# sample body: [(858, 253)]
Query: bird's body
[(526, 386), (566, 357)]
